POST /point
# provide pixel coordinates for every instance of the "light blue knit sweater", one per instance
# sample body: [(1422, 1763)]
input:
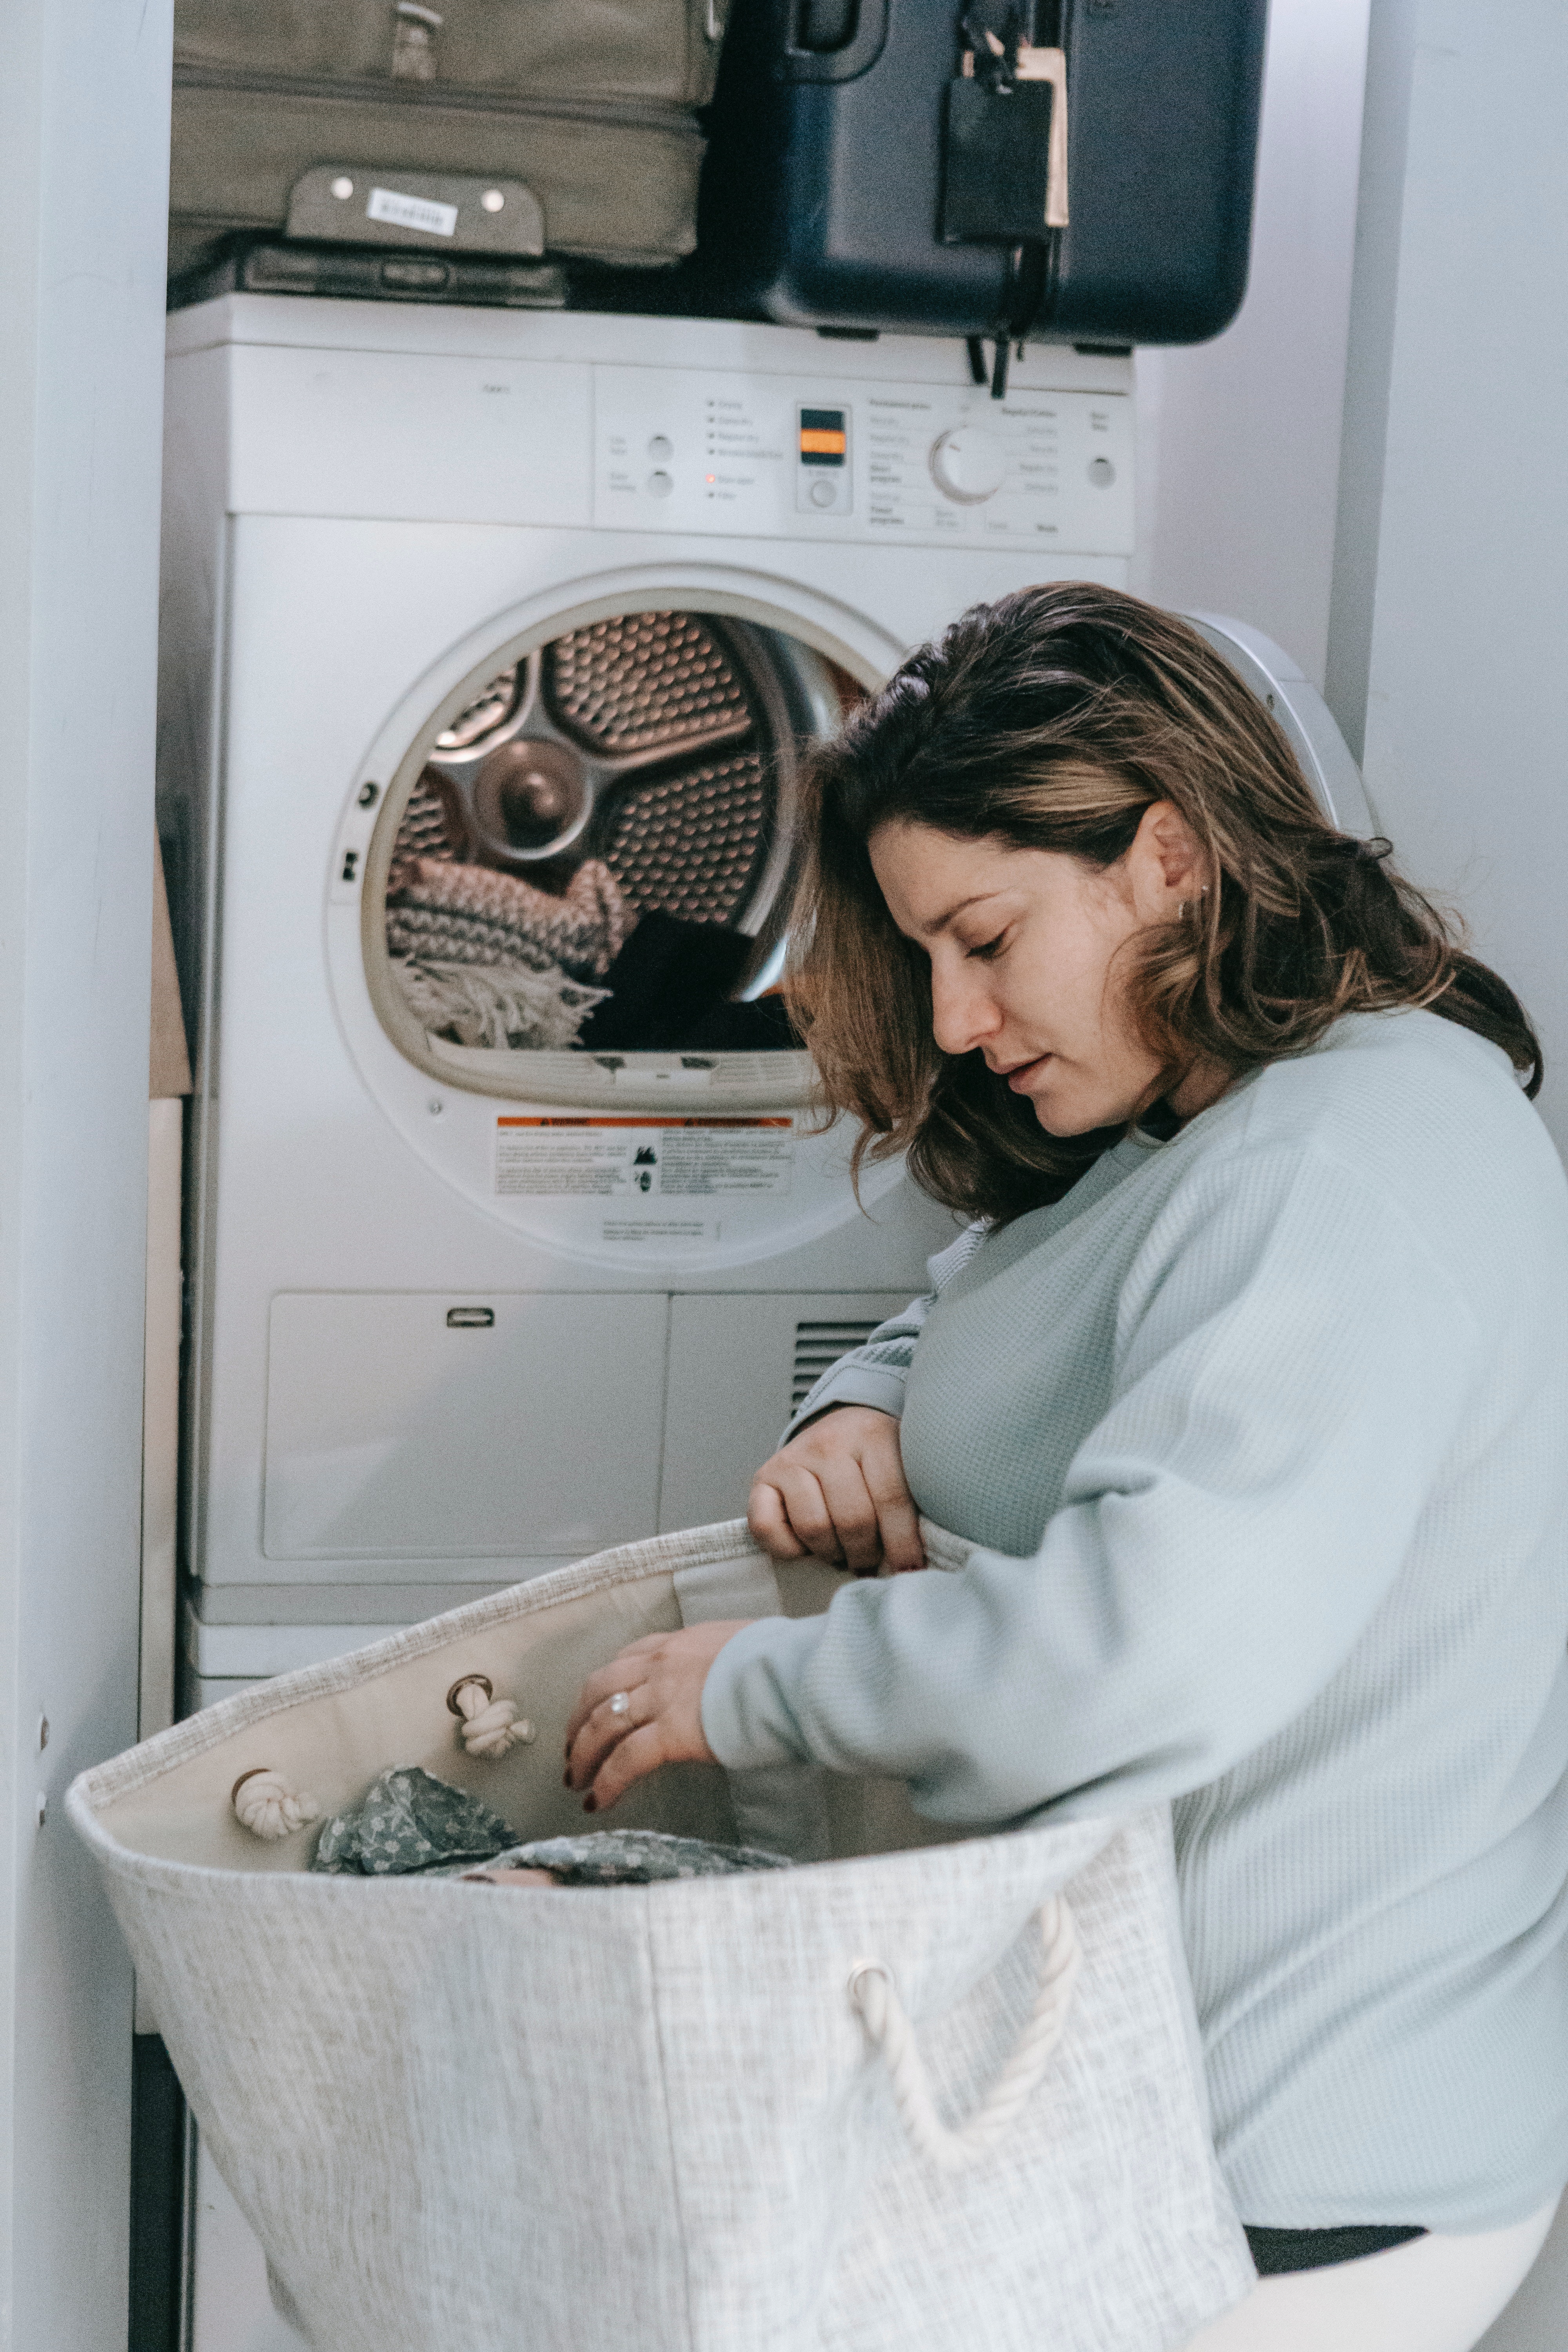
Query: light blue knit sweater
[(1265, 1431)]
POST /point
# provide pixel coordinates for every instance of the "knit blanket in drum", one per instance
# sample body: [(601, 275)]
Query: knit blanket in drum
[(472, 915), (487, 960)]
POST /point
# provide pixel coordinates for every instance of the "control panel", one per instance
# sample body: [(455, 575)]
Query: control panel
[(765, 456)]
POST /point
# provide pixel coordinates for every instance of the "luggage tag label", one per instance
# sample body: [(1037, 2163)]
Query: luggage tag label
[(412, 212), (1005, 179)]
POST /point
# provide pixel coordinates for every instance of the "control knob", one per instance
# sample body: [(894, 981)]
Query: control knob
[(968, 463)]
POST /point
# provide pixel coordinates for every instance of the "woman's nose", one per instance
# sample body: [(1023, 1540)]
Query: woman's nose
[(963, 1011)]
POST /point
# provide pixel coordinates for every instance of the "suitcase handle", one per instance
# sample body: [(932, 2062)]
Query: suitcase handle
[(868, 36), (875, 1996)]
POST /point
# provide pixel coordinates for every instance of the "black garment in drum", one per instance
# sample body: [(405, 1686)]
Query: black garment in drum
[(669, 993)]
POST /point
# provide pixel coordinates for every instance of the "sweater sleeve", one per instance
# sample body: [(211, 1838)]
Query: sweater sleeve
[(875, 1373), (1290, 1367)]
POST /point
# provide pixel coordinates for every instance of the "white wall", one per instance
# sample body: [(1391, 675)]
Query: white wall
[(1240, 438), (1464, 635), (83, 162), (1451, 576)]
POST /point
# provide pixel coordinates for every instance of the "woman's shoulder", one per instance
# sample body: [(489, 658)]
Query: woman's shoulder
[(1405, 1077), (1423, 1113)]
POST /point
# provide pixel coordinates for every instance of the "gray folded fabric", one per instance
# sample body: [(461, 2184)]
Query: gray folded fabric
[(409, 1823), (635, 1858)]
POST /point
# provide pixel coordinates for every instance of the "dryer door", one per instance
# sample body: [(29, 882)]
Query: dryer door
[(562, 891)]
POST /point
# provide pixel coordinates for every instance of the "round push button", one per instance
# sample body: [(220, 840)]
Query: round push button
[(824, 493), (659, 448), (661, 484), (1101, 473), (968, 463)]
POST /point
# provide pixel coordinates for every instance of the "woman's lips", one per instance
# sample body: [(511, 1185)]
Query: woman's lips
[(1022, 1072)]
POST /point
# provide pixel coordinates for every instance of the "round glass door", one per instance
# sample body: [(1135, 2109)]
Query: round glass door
[(595, 852)]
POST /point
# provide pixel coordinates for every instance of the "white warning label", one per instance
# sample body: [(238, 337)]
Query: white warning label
[(655, 1158)]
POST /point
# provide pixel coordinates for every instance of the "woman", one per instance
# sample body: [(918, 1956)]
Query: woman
[(1250, 1380)]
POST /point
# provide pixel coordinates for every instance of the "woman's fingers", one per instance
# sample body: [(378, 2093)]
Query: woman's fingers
[(601, 1683), (769, 1523), (627, 1666), (897, 1519), (509, 1877), (853, 1514), (662, 1676), (839, 1490), (805, 1506), (631, 1760), (900, 1530), (601, 1731)]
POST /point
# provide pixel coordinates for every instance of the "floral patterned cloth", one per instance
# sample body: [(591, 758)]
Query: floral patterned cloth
[(408, 1821), (635, 1858), (410, 1824)]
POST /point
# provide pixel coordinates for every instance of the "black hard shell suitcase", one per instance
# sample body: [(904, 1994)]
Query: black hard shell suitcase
[(842, 173), (504, 128)]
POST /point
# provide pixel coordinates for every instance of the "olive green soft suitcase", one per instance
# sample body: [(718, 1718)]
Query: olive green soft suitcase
[(511, 128)]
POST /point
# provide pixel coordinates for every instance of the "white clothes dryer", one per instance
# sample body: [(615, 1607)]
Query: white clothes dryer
[(491, 644)]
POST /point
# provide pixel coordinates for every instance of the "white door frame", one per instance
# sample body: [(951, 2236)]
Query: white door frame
[(84, 130)]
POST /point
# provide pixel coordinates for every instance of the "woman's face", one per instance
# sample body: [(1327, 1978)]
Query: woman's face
[(1027, 963)]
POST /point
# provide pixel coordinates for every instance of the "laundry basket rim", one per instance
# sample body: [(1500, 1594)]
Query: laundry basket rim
[(121, 1776), (102, 1786), (1098, 1831)]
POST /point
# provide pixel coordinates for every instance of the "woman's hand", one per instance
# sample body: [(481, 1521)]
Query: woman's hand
[(839, 1490), (661, 1679)]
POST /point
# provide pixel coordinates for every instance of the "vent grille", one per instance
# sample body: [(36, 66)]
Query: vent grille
[(424, 833), (481, 717), (692, 844), (651, 680), (818, 1344)]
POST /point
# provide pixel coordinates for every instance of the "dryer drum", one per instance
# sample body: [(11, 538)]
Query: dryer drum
[(598, 850)]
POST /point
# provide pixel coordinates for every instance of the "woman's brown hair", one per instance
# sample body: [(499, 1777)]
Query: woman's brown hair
[(1051, 720)]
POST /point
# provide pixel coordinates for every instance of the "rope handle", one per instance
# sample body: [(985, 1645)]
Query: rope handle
[(267, 1807), (875, 1996), (264, 1803), (487, 1726)]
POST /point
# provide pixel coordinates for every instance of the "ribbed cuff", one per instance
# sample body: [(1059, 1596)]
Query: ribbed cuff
[(747, 1719), (872, 1384)]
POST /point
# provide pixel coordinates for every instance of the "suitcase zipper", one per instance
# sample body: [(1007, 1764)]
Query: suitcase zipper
[(647, 114)]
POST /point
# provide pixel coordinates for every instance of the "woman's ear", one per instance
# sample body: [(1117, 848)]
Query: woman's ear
[(1167, 864)]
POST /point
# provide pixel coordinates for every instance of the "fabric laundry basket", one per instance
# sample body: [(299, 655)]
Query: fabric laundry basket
[(832, 2108)]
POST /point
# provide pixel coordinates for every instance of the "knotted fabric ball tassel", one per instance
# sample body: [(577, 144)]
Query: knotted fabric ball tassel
[(267, 1807), (487, 1726)]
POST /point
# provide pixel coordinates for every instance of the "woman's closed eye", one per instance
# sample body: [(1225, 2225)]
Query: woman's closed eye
[(987, 950)]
